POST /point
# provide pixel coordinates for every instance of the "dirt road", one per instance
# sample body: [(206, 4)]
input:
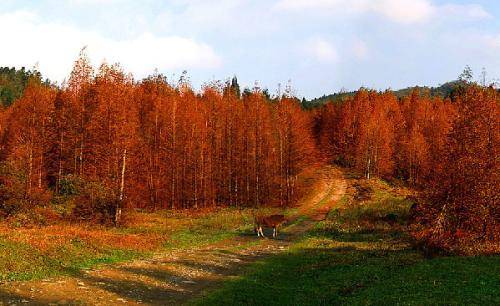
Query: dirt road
[(177, 276)]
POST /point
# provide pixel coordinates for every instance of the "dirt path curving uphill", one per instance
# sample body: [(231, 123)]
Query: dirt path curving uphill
[(177, 276)]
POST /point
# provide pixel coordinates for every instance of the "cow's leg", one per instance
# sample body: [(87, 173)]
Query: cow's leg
[(262, 232)]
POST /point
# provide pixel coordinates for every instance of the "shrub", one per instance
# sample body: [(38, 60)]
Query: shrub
[(17, 204), (461, 201), (12, 190), (70, 185), (95, 203)]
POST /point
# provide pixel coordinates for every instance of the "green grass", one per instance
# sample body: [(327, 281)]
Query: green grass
[(23, 261), (192, 238), (354, 257), (20, 261), (212, 228), (346, 275)]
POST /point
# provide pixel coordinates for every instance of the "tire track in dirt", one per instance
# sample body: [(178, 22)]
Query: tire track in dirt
[(177, 276)]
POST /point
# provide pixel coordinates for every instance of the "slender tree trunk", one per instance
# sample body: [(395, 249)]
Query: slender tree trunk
[(118, 211), (281, 167), (30, 169), (59, 170)]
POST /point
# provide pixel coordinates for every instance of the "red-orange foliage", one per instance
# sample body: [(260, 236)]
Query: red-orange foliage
[(110, 142), (464, 193), (26, 140), (447, 148), (296, 149), (361, 132)]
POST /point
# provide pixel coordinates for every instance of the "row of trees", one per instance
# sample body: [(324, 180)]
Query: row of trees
[(380, 135), (448, 148), (103, 140), (111, 140)]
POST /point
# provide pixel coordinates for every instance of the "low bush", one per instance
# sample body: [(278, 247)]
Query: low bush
[(95, 203)]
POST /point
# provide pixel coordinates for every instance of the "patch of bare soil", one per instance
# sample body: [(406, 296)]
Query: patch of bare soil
[(177, 276)]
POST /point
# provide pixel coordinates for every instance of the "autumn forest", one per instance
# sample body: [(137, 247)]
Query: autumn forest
[(104, 144), (106, 169)]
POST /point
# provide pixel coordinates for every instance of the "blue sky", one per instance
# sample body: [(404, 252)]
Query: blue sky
[(322, 46)]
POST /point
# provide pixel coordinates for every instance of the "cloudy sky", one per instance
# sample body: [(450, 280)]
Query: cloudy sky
[(320, 45)]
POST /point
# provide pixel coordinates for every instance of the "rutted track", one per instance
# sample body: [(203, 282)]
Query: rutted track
[(177, 276)]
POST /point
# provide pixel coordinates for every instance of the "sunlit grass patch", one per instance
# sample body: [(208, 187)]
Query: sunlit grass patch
[(190, 238), (20, 261), (383, 204), (33, 253), (211, 228), (356, 257)]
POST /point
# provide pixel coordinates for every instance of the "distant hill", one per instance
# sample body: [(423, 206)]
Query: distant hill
[(13, 82), (444, 91)]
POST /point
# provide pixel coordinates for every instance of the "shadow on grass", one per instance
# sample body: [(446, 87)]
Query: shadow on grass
[(157, 274), (361, 234), (8, 298), (169, 282), (134, 288), (360, 272), (351, 276)]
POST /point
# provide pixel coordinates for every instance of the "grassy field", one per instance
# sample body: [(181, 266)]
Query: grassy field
[(360, 254), (39, 252), (28, 253), (356, 257)]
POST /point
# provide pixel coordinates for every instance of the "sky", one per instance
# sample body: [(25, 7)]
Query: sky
[(317, 46)]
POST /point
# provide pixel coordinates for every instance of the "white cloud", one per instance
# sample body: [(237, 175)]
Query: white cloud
[(55, 46), (308, 4), (94, 2), (399, 11), (321, 50), (231, 17), (473, 11), (404, 11)]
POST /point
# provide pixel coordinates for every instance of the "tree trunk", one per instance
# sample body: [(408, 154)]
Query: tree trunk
[(118, 211)]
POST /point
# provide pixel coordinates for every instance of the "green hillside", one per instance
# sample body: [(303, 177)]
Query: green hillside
[(13, 82), (444, 91)]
